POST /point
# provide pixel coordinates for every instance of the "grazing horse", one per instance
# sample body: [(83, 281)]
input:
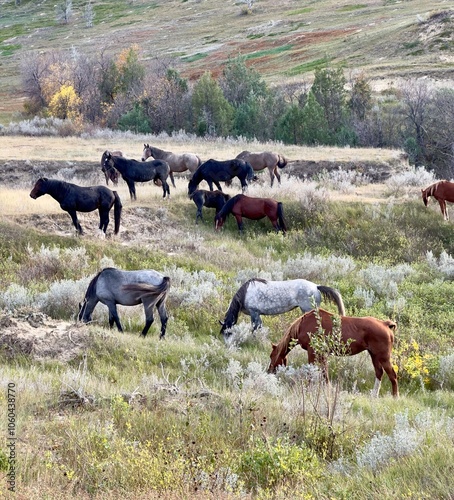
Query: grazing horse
[(177, 162), (209, 199), (258, 296), (442, 191), (112, 174), (252, 208), (214, 171), (357, 335), (128, 288), (134, 171), (73, 199), (266, 159)]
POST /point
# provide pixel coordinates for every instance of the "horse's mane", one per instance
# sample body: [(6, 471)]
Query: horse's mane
[(228, 207), (93, 282), (429, 191), (237, 302)]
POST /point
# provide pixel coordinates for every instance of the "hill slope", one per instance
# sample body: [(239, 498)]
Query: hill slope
[(284, 41)]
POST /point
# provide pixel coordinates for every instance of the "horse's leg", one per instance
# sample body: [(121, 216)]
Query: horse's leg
[(132, 189), (239, 221), (378, 374), (379, 366), (271, 171), (256, 321), (312, 359), (444, 209), (113, 316), (75, 220), (217, 185), (277, 174), (103, 219), (166, 189), (199, 215)]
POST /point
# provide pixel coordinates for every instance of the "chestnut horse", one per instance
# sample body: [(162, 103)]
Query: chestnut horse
[(266, 159), (177, 162), (442, 191), (252, 208), (358, 334)]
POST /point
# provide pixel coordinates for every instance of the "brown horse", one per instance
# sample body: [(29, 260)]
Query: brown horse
[(111, 173), (177, 162), (267, 159), (252, 208), (358, 334), (442, 191)]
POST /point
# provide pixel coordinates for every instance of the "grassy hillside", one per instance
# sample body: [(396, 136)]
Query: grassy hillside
[(99, 414), (284, 41)]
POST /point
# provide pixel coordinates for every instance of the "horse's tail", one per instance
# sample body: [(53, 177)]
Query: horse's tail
[(158, 292), (334, 296), (282, 161), (280, 217), (118, 207), (199, 161)]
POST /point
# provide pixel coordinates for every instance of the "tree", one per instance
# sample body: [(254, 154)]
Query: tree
[(65, 103), (213, 114), (315, 125), (329, 90)]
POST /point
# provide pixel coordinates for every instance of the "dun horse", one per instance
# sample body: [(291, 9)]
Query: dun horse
[(73, 199), (209, 199), (267, 159), (128, 288), (358, 334), (214, 171), (252, 208), (442, 191), (177, 162), (258, 296), (111, 174), (134, 171)]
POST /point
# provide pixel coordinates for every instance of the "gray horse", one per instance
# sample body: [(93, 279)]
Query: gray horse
[(128, 288), (258, 296)]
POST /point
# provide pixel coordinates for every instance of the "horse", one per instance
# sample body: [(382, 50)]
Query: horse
[(214, 171), (134, 171), (358, 334), (266, 159), (252, 208), (128, 288), (112, 174), (442, 191), (73, 199), (209, 199), (177, 162), (258, 296)]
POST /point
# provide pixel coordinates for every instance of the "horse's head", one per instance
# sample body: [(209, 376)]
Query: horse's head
[(276, 359), (39, 188), (146, 153), (192, 187), (218, 221), (226, 325), (425, 198), (82, 314)]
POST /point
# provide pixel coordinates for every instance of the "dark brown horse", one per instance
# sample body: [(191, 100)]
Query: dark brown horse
[(111, 173), (252, 208), (357, 334), (209, 199), (442, 191), (266, 159), (177, 162), (73, 199)]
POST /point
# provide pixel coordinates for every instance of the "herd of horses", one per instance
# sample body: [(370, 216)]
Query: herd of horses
[(255, 297)]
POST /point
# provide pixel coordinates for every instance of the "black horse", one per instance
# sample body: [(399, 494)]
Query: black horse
[(214, 171), (209, 199), (134, 171), (73, 199)]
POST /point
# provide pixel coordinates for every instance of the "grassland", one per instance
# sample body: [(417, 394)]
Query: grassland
[(106, 415)]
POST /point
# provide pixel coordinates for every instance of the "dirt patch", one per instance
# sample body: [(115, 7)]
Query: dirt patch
[(35, 334)]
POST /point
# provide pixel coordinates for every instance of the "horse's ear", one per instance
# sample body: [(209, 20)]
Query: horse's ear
[(273, 345), (221, 322)]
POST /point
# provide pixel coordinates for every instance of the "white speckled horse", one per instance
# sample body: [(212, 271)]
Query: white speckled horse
[(258, 296)]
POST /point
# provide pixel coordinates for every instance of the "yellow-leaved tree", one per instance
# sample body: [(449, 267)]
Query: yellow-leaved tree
[(65, 103)]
